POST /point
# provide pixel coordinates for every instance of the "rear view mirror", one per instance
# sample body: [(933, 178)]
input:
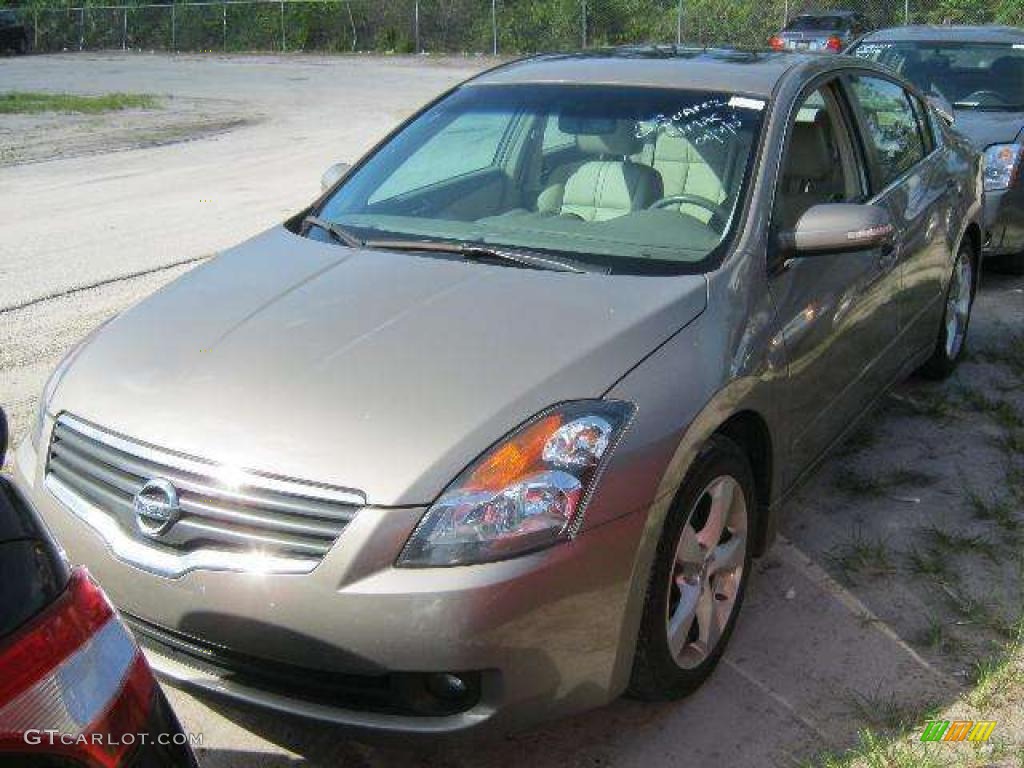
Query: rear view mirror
[(839, 227), (333, 174), (942, 107)]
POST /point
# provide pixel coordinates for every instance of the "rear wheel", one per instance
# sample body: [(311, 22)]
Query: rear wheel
[(699, 576), (952, 339)]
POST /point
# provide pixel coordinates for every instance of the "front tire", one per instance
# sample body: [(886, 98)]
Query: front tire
[(956, 318), (699, 575)]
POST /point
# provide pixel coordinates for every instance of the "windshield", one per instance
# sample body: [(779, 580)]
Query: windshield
[(969, 75), (817, 23), (628, 179)]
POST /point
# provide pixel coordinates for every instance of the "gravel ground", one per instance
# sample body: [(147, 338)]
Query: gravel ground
[(863, 615)]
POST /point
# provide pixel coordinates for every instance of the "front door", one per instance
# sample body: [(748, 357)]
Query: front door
[(837, 313)]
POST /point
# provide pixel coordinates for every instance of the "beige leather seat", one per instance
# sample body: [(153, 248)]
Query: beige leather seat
[(685, 170), (812, 171), (606, 187)]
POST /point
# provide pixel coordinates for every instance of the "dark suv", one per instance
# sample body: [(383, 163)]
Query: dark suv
[(13, 34)]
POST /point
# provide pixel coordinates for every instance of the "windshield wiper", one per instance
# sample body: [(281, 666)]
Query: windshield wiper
[(474, 251), (338, 232)]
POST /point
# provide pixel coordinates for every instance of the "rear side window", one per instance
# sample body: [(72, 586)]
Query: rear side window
[(890, 127)]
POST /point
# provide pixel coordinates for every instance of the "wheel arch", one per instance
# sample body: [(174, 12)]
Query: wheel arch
[(972, 234), (750, 431)]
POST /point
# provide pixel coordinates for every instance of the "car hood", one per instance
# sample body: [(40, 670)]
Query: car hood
[(381, 372), (985, 128)]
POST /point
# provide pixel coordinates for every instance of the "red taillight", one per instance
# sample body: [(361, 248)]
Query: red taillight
[(73, 681), (776, 43), (834, 44)]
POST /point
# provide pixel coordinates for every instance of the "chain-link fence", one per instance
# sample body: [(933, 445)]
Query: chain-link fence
[(488, 26)]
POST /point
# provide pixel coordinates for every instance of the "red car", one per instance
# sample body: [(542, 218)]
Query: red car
[(75, 690)]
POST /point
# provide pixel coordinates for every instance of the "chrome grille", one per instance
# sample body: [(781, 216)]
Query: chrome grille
[(221, 510)]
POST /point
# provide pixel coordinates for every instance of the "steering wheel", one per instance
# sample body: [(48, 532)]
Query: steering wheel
[(985, 95), (718, 213)]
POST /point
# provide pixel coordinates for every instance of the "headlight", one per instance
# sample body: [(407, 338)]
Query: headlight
[(36, 435), (1002, 164), (525, 493)]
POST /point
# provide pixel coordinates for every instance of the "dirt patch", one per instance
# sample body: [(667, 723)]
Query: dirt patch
[(28, 138)]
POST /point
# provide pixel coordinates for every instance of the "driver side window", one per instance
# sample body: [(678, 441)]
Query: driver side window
[(819, 165)]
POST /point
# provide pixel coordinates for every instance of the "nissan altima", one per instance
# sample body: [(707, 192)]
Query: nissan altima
[(492, 430)]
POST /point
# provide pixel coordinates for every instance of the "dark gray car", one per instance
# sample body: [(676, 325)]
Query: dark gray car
[(979, 71), (491, 432), (825, 32)]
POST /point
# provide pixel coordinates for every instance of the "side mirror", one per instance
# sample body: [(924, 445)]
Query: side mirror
[(3, 436), (838, 228), (333, 174), (942, 107)]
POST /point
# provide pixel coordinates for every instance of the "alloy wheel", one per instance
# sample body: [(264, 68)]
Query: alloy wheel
[(707, 572)]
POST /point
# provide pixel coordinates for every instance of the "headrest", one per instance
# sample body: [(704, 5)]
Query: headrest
[(616, 139), (1009, 68), (809, 156)]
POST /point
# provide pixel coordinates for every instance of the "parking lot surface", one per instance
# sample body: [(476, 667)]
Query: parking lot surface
[(834, 633)]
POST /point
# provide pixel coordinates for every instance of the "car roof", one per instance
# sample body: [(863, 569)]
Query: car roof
[(707, 69), (947, 33)]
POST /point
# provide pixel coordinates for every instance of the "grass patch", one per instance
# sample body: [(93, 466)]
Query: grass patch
[(929, 562), (884, 711), (861, 439), (1003, 412), (1001, 675), (1010, 354), (34, 102), (994, 509), (938, 637), (862, 556), (1013, 442), (943, 540), (857, 483)]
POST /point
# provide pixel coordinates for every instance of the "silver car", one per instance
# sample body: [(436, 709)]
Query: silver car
[(979, 73), (825, 32), (491, 432)]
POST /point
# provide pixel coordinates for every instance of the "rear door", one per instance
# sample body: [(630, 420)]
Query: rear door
[(837, 312), (910, 178)]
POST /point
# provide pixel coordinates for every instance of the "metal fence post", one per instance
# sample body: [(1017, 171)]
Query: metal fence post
[(124, 31), (416, 26), (583, 35), (35, 29), (679, 23), (906, 11), (224, 26), (494, 27), (174, 28), (284, 42), (81, 28)]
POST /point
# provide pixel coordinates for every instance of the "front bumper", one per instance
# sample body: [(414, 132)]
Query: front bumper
[(1004, 221), (543, 633)]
